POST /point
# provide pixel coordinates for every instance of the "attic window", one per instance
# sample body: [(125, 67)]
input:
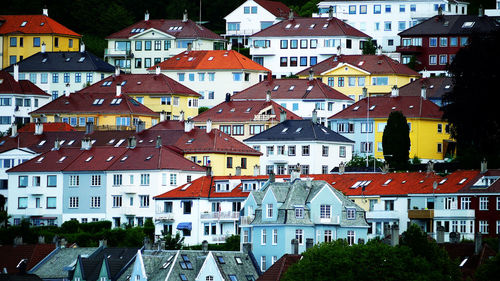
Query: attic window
[(111, 141), (88, 159), (387, 182), (92, 141), (238, 260), (190, 141), (325, 26), (288, 26), (355, 108), (324, 131), (312, 26), (24, 23), (190, 58), (468, 24), (71, 142), (393, 108), (297, 26), (403, 182), (219, 111), (284, 130), (232, 110), (309, 88), (211, 58), (411, 106), (248, 109), (124, 158), (68, 59), (81, 59), (62, 159), (291, 88), (42, 143), (372, 107), (298, 130), (124, 82), (44, 60), (2, 142), (149, 157), (447, 86), (442, 181), (40, 159), (221, 259), (462, 181), (110, 158), (361, 63), (276, 87)]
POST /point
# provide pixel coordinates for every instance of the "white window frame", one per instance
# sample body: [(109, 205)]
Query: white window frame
[(95, 180), (263, 236), (269, 211), (325, 211), (275, 237), (483, 203)]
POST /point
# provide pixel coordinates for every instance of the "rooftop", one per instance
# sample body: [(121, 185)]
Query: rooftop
[(32, 24), (8, 85), (453, 25)]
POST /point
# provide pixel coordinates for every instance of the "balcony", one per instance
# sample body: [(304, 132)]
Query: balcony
[(263, 117), (409, 49), (220, 216), (128, 211), (34, 212), (246, 220), (279, 158), (382, 214), (35, 190), (118, 53), (454, 213), (164, 217), (128, 189), (420, 214), (331, 220)]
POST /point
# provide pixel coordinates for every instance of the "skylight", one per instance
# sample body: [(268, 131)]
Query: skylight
[(431, 86), (443, 181), (447, 86), (355, 108), (42, 142), (88, 159), (232, 109), (462, 181), (291, 88), (284, 130), (39, 160), (119, 142), (288, 26), (411, 106), (186, 186), (248, 109), (393, 107), (276, 87), (2, 142), (124, 82), (106, 83), (309, 88), (387, 182), (468, 24), (221, 259), (325, 26), (62, 159), (111, 141), (101, 101), (44, 60), (312, 26), (372, 107), (24, 23), (110, 158), (298, 130), (297, 26), (356, 185), (149, 157), (238, 260), (219, 111), (211, 58), (68, 59), (361, 63), (42, 23), (190, 141), (62, 142), (124, 158), (81, 59), (190, 58), (71, 142)]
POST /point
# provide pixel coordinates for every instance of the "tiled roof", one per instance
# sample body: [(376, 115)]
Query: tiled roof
[(210, 60), (54, 267), (310, 27), (453, 25), (22, 87), (436, 87), (278, 269), (276, 8), (299, 130), (35, 24), (63, 62), (240, 111), (300, 89), (491, 188), (175, 28), (11, 255), (48, 127), (140, 84), (373, 64), (382, 106), (87, 102)]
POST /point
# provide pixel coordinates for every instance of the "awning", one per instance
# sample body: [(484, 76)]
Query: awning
[(184, 225)]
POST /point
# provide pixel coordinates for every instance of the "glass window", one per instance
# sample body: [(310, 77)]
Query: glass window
[(362, 9), (433, 42), (413, 8), (377, 9), (294, 44), (313, 43), (36, 41), (443, 42), (387, 8), (147, 45), (22, 202), (157, 45), (51, 180), (352, 9), (284, 44), (51, 202), (387, 26), (138, 45), (313, 61)]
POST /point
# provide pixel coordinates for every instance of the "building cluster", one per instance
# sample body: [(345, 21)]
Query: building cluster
[(175, 126)]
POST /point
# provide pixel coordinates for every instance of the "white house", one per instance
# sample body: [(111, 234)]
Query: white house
[(253, 16), (383, 20), (291, 45)]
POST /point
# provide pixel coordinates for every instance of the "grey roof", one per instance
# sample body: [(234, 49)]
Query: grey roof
[(63, 62), (117, 259), (299, 130), (231, 267), (452, 25), (58, 265)]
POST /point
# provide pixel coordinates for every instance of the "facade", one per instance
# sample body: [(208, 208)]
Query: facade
[(24, 35), (17, 99), (350, 74), (243, 119), (251, 17), (300, 144), (213, 74), (364, 122), (146, 43), (382, 20), (288, 217), (168, 98), (300, 96), (435, 42), (53, 72), (293, 44)]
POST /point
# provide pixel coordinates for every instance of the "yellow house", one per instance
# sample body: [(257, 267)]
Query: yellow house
[(24, 35), (349, 74), (158, 92)]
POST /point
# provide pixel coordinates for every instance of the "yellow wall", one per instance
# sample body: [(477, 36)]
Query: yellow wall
[(364, 202), (28, 49), (102, 119), (153, 102), (347, 71), (424, 138), (246, 127), (218, 162)]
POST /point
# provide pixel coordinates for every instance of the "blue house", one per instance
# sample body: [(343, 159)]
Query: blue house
[(288, 217)]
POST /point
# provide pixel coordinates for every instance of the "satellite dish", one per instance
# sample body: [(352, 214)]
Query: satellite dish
[(435, 185)]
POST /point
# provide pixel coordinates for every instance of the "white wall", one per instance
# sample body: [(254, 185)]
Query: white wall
[(249, 23)]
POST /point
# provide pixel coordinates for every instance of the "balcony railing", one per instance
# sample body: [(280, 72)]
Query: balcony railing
[(228, 215), (263, 117), (420, 214), (118, 53), (246, 220), (409, 49), (331, 220), (164, 217)]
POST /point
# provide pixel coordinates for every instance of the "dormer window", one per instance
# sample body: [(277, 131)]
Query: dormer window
[(24, 23), (299, 212), (351, 213), (269, 210)]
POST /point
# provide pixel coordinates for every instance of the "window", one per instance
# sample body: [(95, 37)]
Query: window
[(74, 180), (304, 169), (483, 203), (55, 77), (366, 127), (243, 163), (305, 150), (463, 41), (413, 8), (387, 8), (167, 44), (256, 129), (36, 41), (263, 237), (275, 237), (340, 82), (443, 59), (377, 9), (225, 129), (432, 59), (51, 181), (95, 180), (283, 61), (23, 181), (95, 202), (22, 202), (36, 180), (483, 227), (284, 44), (269, 211), (263, 263), (299, 235), (433, 42), (299, 212), (387, 25), (401, 25), (173, 179), (294, 44), (350, 237), (144, 179), (498, 203), (78, 77), (73, 202), (389, 205), (186, 205), (324, 150), (90, 77), (328, 236), (117, 201), (366, 147), (324, 211), (402, 8), (352, 9), (439, 147), (465, 201), (293, 61), (144, 201), (377, 81), (157, 45), (229, 162), (269, 150), (269, 169), (313, 61), (342, 151), (362, 9), (351, 213)]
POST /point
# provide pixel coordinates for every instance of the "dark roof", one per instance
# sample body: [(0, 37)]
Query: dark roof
[(63, 61), (187, 29), (19, 277), (276, 8), (373, 64), (56, 266), (11, 255), (116, 259), (477, 186), (465, 252), (303, 89), (35, 24), (310, 27), (278, 269), (8, 85), (436, 87), (299, 130), (453, 25)]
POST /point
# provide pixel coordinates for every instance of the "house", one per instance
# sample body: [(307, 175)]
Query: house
[(383, 20), (24, 35), (12, 255), (146, 43), (293, 44), (301, 144), (289, 217), (435, 42), (435, 88), (493, 12), (300, 96), (213, 73), (243, 118), (17, 99), (53, 72), (157, 92), (253, 16), (207, 208), (352, 74), (107, 111), (364, 122)]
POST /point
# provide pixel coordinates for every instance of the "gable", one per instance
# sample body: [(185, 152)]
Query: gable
[(262, 12), (269, 198), (139, 269), (78, 270), (104, 270), (345, 69), (209, 268)]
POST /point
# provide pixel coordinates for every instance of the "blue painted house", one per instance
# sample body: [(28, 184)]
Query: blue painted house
[(303, 210)]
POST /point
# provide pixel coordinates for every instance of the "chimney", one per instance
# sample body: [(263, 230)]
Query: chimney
[(228, 97), (311, 74), (157, 70), (238, 171), (315, 116), (440, 11), (341, 168), (394, 235), (246, 248), (158, 142), (229, 46), (209, 126), (41, 239), (339, 51), (365, 92), (185, 16), (86, 143), (67, 90), (379, 50), (163, 115), (181, 116), (440, 235), (45, 11), (13, 130), (189, 47), (16, 72), (272, 177), (117, 71), (309, 243), (423, 92), (282, 115), (57, 144), (270, 76), (82, 47), (481, 11), (132, 142), (44, 47), (146, 15), (38, 128), (188, 125), (290, 15), (204, 246), (141, 125), (147, 243), (209, 170), (295, 246), (294, 172), (478, 243), (330, 13), (394, 91), (268, 96), (484, 166), (89, 128), (118, 90), (256, 170)]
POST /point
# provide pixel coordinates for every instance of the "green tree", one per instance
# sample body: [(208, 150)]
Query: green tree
[(4, 218), (369, 48), (490, 270), (360, 161), (172, 242), (149, 229), (202, 109), (396, 141)]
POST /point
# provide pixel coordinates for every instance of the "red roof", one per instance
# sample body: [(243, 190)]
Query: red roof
[(303, 89), (217, 59), (240, 111), (140, 84), (35, 24), (276, 8), (278, 269), (48, 127), (11, 255), (382, 106), (176, 28), (22, 87), (373, 64), (310, 27)]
